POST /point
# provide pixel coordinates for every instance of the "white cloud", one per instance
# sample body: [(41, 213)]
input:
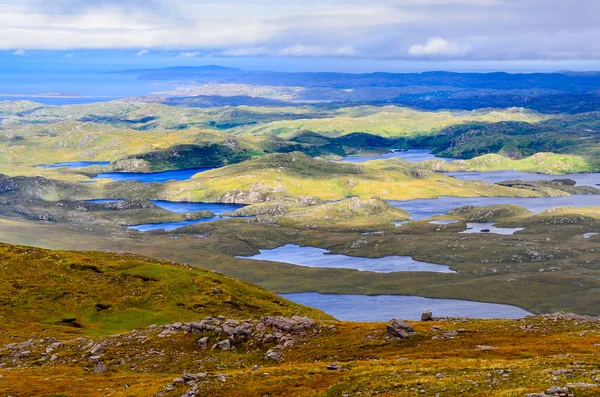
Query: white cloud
[(142, 53), (69, 56), (378, 29), (316, 50), (19, 52), (189, 54), (436, 46)]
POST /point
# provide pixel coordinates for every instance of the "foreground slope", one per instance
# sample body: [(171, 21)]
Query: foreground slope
[(99, 293)]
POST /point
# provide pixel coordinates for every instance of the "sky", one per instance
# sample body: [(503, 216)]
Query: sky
[(343, 35)]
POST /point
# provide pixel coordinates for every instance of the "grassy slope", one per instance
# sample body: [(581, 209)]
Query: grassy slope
[(495, 358), (41, 288), (518, 269), (390, 121), (543, 163), (349, 214), (296, 174)]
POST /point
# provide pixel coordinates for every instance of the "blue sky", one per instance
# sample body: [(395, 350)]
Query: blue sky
[(344, 35)]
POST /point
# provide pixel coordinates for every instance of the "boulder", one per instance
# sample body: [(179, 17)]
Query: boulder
[(273, 355), (100, 368), (400, 329), (427, 315)]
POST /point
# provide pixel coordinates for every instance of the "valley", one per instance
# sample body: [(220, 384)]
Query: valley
[(304, 227)]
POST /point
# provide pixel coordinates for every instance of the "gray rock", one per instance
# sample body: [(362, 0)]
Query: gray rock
[(203, 342), (427, 315), (399, 329), (224, 345), (273, 355), (100, 368), (97, 349)]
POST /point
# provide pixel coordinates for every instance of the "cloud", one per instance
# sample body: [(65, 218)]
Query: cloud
[(316, 50), (19, 53), (436, 46), (479, 30), (142, 53), (189, 54)]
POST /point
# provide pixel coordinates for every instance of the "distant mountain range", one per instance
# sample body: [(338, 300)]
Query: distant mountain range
[(570, 92)]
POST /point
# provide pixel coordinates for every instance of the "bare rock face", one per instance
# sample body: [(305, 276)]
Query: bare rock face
[(237, 196), (400, 330)]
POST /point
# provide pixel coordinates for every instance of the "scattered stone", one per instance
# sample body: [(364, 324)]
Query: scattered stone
[(333, 367)]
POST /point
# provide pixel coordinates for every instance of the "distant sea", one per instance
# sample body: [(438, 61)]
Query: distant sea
[(91, 86)]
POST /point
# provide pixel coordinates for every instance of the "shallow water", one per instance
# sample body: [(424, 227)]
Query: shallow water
[(74, 164), (590, 235), (426, 208), (386, 307), (491, 229), (413, 155), (443, 222), (317, 257), (500, 176), (177, 175)]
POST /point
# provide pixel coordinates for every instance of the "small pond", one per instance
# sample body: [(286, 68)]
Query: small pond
[(489, 228), (318, 257)]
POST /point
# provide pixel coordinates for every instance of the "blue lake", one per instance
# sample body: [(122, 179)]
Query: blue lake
[(426, 208), (175, 175), (591, 179), (413, 155), (183, 207), (74, 164), (386, 307), (317, 257), (172, 225)]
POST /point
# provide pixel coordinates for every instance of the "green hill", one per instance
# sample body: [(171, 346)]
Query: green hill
[(100, 293)]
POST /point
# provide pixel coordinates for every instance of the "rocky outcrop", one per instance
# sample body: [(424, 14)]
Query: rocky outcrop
[(553, 391), (399, 329)]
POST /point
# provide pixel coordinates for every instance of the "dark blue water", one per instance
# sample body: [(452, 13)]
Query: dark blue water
[(184, 207), (317, 257), (74, 164), (591, 179), (413, 155), (176, 175), (425, 208), (386, 307)]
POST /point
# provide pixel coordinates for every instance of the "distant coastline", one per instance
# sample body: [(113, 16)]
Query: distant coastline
[(45, 95)]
